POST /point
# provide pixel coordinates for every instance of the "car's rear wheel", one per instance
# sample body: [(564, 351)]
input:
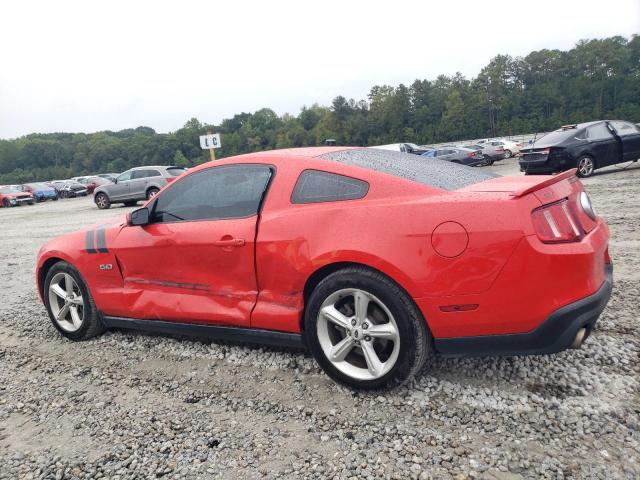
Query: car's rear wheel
[(585, 166), (508, 153), (152, 192), (70, 304), (102, 201), (364, 330)]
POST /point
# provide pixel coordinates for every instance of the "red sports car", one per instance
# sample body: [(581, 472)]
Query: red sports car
[(371, 258)]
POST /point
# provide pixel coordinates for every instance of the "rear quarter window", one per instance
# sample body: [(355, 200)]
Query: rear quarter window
[(315, 186), (176, 171)]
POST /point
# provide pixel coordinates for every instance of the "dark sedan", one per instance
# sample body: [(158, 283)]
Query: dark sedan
[(69, 188), (464, 156), (585, 146)]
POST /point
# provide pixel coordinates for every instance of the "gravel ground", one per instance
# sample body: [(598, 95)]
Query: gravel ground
[(130, 405)]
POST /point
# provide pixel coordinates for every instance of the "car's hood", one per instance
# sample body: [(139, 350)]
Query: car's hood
[(16, 194), (80, 241)]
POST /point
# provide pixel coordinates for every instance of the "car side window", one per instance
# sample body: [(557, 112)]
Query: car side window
[(124, 176), (598, 132), (229, 191), (138, 174), (624, 129), (153, 173), (315, 186)]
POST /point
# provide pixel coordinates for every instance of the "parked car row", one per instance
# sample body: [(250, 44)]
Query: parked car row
[(32, 192), (482, 153)]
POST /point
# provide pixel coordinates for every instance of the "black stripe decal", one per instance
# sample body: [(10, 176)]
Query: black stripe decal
[(89, 242), (101, 241)]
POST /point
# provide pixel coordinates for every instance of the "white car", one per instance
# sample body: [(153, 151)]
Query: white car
[(510, 148), (402, 147)]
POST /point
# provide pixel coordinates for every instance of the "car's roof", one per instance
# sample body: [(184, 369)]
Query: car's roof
[(153, 166), (432, 172)]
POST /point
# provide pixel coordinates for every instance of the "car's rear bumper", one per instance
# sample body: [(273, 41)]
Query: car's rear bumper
[(553, 335)]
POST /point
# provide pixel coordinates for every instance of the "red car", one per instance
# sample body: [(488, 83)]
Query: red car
[(93, 182), (13, 196), (371, 258)]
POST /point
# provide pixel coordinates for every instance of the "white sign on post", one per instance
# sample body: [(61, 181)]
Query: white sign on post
[(210, 141)]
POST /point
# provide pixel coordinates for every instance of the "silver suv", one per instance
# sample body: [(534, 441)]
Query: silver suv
[(140, 183)]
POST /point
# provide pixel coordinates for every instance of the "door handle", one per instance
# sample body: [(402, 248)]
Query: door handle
[(227, 241)]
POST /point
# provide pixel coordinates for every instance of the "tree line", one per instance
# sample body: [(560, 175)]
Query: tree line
[(596, 79)]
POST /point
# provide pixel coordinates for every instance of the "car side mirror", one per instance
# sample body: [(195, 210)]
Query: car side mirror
[(139, 217), (115, 180)]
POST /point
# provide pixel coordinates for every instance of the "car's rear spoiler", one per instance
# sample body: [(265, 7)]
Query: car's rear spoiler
[(521, 185)]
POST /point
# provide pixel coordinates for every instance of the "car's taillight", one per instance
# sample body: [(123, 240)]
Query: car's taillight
[(170, 179), (499, 149), (472, 154), (556, 223)]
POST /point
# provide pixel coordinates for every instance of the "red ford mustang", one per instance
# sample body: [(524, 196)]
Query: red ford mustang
[(371, 258)]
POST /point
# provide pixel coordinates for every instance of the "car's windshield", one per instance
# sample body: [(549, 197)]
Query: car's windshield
[(9, 189)]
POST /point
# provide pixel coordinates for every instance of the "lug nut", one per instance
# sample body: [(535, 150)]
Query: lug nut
[(367, 338), (353, 322), (365, 325), (357, 342)]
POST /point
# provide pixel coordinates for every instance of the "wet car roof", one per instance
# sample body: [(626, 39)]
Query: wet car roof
[(428, 171)]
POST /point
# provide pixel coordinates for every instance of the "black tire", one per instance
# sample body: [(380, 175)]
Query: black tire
[(102, 201), (586, 171), (152, 192), (133, 203), (490, 162), (31, 202), (508, 153), (91, 323), (55, 199), (5, 203), (415, 338)]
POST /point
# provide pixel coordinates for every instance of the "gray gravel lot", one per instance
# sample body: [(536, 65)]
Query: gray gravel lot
[(130, 405)]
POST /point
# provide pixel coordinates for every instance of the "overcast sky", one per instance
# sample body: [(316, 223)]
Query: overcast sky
[(88, 66)]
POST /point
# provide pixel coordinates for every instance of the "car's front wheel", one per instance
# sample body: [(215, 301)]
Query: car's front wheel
[(585, 166), (152, 192), (70, 304), (364, 330), (102, 201), (508, 153)]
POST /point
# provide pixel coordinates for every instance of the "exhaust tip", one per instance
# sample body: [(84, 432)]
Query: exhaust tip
[(579, 338)]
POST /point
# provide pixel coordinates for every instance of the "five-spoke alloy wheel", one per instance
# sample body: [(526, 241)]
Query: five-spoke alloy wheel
[(586, 166), (358, 334), (69, 303), (364, 330)]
